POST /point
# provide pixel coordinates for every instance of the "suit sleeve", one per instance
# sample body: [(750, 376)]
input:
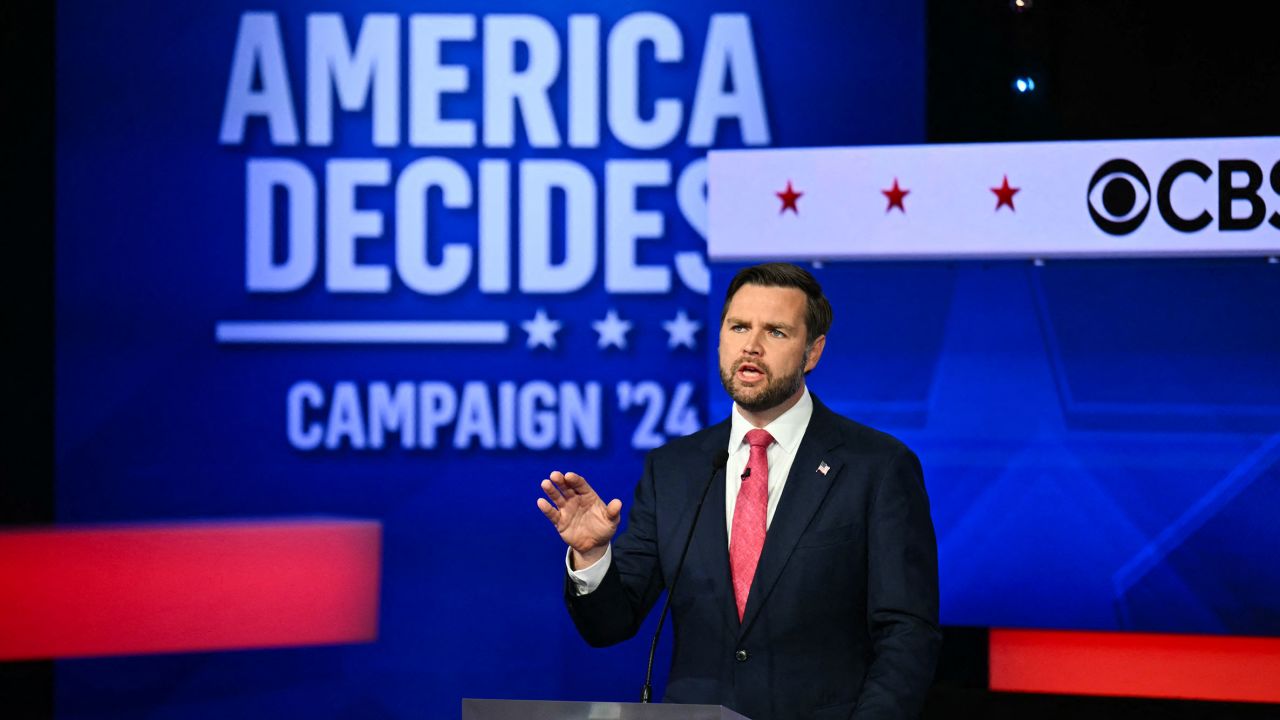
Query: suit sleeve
[(902, 594), (614, 611)]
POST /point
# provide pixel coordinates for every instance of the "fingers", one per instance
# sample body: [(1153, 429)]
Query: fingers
[(570, 484), (549, 510), (562, 483), (561, 488), (553, 492), (613, 509), (576, 484)]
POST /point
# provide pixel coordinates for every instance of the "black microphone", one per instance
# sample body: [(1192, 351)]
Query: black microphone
[(717, 464), (746, 473)]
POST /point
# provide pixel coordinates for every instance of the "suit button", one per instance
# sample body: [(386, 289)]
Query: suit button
[(741, 655)]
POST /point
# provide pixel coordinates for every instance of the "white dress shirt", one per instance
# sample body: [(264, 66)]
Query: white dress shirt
[(787, 431)]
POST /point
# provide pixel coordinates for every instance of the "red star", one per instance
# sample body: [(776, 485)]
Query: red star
[(1004, 195), (788, 198), (895, 195)]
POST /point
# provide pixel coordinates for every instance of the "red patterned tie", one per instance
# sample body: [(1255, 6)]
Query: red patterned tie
[(749, 514)]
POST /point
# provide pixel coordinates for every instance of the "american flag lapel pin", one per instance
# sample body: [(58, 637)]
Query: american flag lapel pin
[(823, 468)]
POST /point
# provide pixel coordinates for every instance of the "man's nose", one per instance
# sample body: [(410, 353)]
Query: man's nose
[(752, 346)]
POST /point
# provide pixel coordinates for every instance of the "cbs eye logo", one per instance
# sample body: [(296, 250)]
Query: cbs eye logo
[(1119, 197)]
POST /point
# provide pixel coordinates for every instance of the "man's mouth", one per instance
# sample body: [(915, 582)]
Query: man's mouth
[(750, 373)]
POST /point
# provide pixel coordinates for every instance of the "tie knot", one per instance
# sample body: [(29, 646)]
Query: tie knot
[(759, 438)]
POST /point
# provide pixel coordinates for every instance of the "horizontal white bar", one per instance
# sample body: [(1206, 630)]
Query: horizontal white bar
[(263, 332), (1113, 198)]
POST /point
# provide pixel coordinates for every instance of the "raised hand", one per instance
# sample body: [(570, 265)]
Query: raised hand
[(584, 522)]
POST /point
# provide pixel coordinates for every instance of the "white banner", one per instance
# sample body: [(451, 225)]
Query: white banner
[(1218, 196)]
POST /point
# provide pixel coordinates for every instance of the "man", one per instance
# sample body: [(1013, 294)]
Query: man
[(814, 594)]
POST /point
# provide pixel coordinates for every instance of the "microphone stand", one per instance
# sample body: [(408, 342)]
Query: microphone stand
[(717, 464)]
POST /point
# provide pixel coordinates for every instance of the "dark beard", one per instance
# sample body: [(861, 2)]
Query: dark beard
[(775, 392)]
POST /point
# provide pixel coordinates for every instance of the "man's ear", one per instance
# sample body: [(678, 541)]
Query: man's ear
[(815, 353)]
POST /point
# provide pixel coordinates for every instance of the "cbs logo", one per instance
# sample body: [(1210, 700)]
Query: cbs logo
[(1120, 196)]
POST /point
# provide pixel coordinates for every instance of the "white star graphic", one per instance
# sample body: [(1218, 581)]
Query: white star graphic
[(613, 330), (680, 331), (542, 330)]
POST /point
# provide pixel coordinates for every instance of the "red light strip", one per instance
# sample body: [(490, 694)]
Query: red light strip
[(1201, 667), (188, 587)]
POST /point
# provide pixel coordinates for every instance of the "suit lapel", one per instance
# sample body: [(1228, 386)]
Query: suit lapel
[(806, 487)]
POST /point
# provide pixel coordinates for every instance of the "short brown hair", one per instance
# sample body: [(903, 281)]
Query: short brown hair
[(817, 310)]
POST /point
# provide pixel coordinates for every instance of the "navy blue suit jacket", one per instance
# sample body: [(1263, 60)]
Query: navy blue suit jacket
[(842, 617)]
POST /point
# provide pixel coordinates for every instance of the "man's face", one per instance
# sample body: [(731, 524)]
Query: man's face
[(763, 357)]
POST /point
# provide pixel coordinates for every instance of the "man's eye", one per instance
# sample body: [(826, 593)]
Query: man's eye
[(777, 333), (737, 328)]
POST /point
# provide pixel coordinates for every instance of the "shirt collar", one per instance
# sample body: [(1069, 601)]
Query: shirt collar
[(787, 429)]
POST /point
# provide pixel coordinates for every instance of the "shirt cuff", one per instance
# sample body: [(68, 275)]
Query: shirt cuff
[(586, 580)]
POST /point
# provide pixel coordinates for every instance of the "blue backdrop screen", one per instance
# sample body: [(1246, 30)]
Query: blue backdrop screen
[(401, 262), (248, 194)]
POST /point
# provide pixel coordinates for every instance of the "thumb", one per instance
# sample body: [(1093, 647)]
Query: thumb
[(613, 509)]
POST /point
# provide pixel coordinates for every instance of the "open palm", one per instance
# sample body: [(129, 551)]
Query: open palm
[(583, 520)]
